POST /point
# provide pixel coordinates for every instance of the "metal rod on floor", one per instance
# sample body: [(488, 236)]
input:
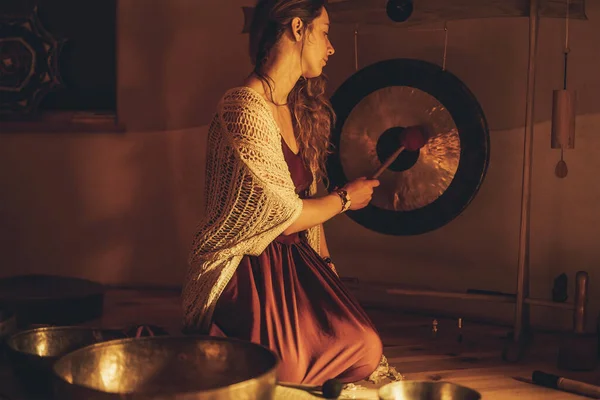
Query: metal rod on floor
[(549, 303), (494, 298), (452, 295)]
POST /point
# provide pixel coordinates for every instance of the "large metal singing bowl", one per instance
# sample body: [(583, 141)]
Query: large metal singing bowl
[(33, 352), (168, 368), (417, 390), (8, 324)]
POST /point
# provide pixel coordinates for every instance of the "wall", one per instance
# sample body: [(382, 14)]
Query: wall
[(121, 208)]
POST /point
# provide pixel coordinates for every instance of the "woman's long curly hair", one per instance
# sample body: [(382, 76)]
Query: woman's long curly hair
[(312, 113)]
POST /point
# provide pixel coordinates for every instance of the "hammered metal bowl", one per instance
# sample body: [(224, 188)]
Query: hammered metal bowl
[(33, 352), (166, 368), (417, 390), (8, 325)]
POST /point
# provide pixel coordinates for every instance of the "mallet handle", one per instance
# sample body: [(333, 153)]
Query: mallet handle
[(388, 162), (569, 385)]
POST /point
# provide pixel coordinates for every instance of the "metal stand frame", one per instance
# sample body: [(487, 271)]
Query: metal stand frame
[(521, 335)]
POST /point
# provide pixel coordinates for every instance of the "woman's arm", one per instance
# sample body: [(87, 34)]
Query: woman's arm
[(318, 210), (315, 212)]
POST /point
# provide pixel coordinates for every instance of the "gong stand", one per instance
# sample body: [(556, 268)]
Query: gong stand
[(425, 189), (522, 310)]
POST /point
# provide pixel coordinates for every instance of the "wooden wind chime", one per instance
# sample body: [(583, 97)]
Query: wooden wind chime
[(564, 112)]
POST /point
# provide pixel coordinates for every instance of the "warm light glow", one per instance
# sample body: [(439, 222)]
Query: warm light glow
[(446, 393), (215, 353), (396, 393), (41, 347), (111, 369)]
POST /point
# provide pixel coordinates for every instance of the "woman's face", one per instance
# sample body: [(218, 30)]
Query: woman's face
[(317, 47)]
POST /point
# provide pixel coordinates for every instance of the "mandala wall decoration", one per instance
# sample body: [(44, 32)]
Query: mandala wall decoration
[(28, 64)]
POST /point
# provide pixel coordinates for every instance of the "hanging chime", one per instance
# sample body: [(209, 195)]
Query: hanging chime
[(563, 113)]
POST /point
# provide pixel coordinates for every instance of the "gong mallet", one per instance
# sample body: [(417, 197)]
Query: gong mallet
[(331, 389), (388, 162), (412, 138), (568, 385)]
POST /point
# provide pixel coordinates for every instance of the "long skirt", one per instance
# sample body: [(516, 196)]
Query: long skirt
[(289, 300)]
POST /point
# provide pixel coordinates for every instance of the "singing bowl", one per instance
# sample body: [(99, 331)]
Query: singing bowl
[(417, 390), (8, 325), (33, 352), (168, 368)]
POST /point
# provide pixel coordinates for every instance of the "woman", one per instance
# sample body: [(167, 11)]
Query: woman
[(260, 268)]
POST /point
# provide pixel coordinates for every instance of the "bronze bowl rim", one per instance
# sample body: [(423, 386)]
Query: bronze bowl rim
[(12, 339), (7, 319), (428, 382), (237, 385)]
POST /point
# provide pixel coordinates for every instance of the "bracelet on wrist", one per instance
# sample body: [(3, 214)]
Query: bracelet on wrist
[(343, 194)]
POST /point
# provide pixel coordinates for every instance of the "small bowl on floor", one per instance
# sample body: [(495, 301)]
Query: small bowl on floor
[(32, 353), (416, 390)]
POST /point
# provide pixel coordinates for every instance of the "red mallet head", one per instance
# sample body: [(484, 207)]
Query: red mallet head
[(413, 138)]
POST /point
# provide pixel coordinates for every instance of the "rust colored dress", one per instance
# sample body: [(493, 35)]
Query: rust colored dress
[(289, 300)]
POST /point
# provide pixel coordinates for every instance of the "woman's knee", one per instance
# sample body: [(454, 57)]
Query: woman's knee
[(291, 372), (372, 349), (367, 351)]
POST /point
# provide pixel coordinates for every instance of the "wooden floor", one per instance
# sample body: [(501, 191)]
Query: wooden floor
[(409, 345), (476, 362)]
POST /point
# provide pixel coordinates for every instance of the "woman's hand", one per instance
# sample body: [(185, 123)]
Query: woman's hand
[(360, 192)]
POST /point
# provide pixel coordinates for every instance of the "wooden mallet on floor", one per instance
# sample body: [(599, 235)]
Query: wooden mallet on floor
[(331, 388), (569, 385), (412, 138)]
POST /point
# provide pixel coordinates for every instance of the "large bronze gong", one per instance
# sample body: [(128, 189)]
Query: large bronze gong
[(421, 190)]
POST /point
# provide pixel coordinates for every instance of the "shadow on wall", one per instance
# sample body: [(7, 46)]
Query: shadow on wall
[(490, 56), (475, 69), (176, 60), (144, 235), (145, 34), (107, 208)]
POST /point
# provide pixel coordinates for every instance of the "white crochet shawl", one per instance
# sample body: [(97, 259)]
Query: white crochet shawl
[(250, 200)]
